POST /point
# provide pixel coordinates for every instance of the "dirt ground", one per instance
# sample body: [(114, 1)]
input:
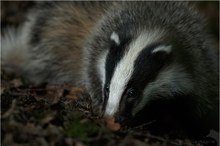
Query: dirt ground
[(62, 115)]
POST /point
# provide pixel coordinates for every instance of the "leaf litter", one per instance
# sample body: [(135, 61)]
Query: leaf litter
[(61, 115)]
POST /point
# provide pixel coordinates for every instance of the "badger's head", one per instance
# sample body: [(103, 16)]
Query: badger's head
[(139, 72), (142, 80), (143, 74)]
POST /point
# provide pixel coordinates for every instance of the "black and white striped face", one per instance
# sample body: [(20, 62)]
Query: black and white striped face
[(133, 70)]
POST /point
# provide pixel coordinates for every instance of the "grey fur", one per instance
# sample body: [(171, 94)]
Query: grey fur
[(183, 24)]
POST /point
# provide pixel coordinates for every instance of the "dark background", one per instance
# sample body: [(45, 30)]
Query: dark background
[(13, 13)]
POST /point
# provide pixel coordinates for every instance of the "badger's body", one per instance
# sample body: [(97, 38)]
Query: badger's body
[(140, 61)]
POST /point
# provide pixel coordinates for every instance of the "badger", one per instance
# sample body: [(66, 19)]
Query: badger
[(141, 62)]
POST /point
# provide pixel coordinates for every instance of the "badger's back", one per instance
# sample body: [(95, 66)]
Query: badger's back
[(47, 48)]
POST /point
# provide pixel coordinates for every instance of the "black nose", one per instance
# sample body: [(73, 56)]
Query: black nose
[(120, 119), (123, 118)]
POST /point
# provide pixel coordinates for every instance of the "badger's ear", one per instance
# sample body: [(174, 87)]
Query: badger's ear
[(163, 49), (162, 52), (115, 38)]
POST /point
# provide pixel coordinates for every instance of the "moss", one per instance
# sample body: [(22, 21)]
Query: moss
[(76, 126)]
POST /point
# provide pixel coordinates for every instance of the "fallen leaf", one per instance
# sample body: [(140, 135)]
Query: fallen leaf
[(112, 124)]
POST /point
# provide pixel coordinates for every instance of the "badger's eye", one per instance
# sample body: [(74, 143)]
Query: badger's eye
[(131, 93), (106, 90)]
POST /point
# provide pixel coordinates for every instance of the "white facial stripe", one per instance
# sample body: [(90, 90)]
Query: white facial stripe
[(124, 70), (115, 38), (101, 66), (167, 49)]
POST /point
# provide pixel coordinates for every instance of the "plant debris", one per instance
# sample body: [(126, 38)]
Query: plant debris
[(53, 115)]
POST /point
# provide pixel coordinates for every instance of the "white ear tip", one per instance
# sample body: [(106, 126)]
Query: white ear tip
[(166, 49), (114, 36)]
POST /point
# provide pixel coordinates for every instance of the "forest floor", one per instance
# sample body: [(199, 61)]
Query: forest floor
[(61, 116)]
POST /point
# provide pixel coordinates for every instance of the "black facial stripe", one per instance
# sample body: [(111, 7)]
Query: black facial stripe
[(147, 66), (115, 54), (146, 69)]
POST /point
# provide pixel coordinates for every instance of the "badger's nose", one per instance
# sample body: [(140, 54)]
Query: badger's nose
[(123, 117), (119, 119)]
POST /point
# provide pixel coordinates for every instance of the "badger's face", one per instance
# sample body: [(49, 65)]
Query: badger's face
[(140, 79)]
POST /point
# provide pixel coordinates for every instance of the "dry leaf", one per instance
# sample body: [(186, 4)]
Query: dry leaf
[(111, 124)]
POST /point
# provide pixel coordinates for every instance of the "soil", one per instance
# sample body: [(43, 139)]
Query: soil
[(61, 115)]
